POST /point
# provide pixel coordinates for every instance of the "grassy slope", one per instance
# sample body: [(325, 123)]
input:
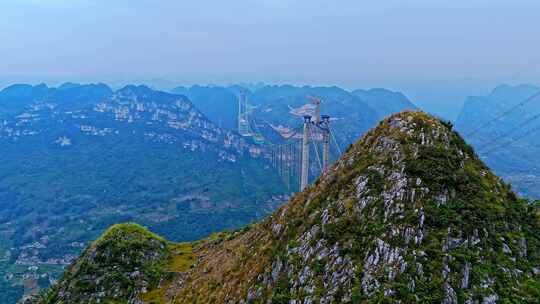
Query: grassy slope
[(229, 269)]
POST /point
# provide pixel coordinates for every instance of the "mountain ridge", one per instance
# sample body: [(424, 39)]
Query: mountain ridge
[(409, 213)]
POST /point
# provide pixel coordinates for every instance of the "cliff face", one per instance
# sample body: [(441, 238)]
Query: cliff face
[(408, 214)]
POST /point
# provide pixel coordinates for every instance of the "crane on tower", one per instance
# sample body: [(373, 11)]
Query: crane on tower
[(317, 102)]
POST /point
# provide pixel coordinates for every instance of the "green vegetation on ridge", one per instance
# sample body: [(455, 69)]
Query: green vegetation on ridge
[(133, 258), (408, 213)]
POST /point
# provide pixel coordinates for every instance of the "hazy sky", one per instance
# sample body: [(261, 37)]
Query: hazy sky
[(352, 43)]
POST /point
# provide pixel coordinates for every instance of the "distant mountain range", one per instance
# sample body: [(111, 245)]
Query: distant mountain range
[(16, 98), (353, 113), (504, 128)]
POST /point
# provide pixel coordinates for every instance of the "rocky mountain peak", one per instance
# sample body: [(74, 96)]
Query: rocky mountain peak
[(408, 214), (411, 195)]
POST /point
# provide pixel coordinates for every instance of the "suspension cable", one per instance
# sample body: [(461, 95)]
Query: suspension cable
[(519, 127), (529, 132), (335, 141), (498, 117)]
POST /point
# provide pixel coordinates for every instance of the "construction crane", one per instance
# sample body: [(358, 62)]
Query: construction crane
[(317, 102), (246, 126)]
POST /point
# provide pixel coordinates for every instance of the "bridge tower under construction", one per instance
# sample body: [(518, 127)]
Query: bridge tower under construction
[(325, 127), (299, 157), (305, 153)]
